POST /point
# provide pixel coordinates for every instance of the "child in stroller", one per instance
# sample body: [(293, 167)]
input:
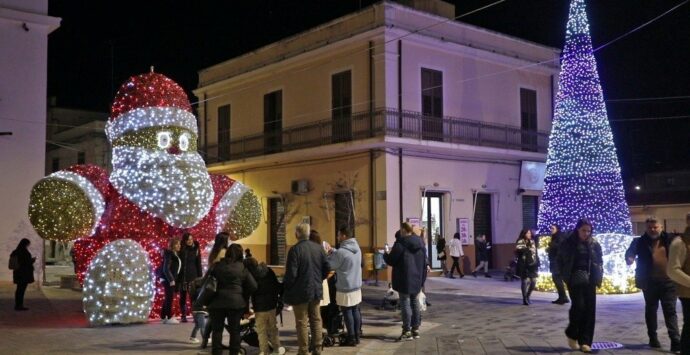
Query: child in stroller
[(510, 271)]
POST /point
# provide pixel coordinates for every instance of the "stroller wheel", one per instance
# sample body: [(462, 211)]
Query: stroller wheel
[(328, 341), (243, 351), (342, 339)]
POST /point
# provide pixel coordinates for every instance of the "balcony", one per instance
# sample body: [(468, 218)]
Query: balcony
[(382, 122)]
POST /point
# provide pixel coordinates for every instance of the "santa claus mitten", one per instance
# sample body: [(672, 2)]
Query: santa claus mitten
[(239, 211), (65, 206)]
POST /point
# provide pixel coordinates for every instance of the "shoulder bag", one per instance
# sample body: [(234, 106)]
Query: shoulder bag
[(208, 289)]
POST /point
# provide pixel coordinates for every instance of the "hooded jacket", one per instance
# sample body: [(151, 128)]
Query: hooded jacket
[(347, 263), (408, 259), (265, 298)]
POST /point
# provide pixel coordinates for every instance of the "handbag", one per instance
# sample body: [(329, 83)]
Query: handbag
[(208, 289), (421, 299), (441, 255), (579, 278)]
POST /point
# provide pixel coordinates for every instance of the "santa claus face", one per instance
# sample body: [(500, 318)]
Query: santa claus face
[(160, 171)]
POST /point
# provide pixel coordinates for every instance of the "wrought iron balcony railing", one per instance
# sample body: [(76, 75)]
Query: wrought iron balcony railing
[(382, 122)]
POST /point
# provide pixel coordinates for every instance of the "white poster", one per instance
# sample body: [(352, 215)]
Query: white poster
[(462, 225)]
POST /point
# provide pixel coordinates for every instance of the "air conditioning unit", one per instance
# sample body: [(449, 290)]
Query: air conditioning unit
[(300, 187)]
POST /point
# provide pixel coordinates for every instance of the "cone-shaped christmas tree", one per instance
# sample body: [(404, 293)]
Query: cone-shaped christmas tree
[(583, 178)]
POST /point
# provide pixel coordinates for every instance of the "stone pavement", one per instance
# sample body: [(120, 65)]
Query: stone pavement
[(467, 316)]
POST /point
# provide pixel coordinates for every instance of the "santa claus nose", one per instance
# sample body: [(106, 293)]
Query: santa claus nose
[(174, 149)]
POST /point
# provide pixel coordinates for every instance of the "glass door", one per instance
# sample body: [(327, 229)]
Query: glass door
[(432, 222)]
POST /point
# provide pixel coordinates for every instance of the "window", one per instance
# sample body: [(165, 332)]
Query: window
[(273, 122), (224, 132), (56, 164), (432, 104), (341, 104), (81, 158), (528, 119), (530, 208)]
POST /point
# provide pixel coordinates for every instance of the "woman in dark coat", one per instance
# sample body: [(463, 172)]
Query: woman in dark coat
[(441, 255), (23, 274), (527, 264), (172, 265), (235, 285), (190, 255), (580, 263)]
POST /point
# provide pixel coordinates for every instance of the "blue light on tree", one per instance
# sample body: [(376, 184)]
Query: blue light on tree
[(583, 178)]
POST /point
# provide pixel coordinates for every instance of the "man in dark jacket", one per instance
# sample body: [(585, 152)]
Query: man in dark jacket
[(408, 259), (305, 270), (557, 237), (651, 250)]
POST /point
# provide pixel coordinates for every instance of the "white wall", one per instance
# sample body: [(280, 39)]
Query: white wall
[(23, 71)]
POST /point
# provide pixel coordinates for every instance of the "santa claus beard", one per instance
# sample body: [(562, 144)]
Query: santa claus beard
[(175, 188)]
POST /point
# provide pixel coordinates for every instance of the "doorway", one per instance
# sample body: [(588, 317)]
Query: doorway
[(432, 222), (482, 220), (276, 231)]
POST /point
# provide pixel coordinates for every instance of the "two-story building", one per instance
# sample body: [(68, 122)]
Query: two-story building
[(391, 113)]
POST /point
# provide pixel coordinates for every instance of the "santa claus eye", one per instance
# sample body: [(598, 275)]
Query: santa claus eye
[(164, 139), (184, 141)]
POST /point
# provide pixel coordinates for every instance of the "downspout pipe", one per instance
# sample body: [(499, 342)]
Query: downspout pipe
[(400, 120)]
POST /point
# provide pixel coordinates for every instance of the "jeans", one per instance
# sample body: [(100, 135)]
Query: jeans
[(308, 316), (166, 309), (527, 286), (456, 265), (19, 295), (560, 287), (482, 264), (409, 310), (685, 335), (199, 324), (664, 292), (353, 321), (267, 330), (218, 317), (582, 314)]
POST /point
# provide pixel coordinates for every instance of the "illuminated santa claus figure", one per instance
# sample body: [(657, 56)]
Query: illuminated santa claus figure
[(158, 189)]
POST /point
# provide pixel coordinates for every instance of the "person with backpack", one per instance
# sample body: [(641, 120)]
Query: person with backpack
[(22, 266), (527, 264), (264, 303)]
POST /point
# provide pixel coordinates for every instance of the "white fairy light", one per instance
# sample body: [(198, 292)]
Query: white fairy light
[(92, 193)]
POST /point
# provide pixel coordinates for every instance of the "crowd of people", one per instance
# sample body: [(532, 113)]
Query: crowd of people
[(320, 278)]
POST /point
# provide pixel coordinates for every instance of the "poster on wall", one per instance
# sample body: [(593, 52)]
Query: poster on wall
[(462, 225)]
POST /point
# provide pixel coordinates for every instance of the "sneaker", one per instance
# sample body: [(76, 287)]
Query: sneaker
[(586, 348), (572, 343), (183, 319), (462, 275), (194, 340), (172, 321), (487, 275), (405, 336), (164, 321), (415, 333), (474, 273), (654, 342)]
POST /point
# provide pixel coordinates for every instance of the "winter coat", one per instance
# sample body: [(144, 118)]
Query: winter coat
[(268, 291), (172, 266), (527, 259), (482, 250), (456, 248), (305, 270), (347, 263), (641, 248), (556, 241), (191, 262), (25, 273), (567, 255), (408, 259), (235, 284)]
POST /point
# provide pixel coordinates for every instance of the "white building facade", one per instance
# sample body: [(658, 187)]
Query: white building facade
[(366, 121), (24, 29)]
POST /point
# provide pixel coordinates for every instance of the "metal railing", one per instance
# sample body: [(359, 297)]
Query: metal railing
[(388, 122)]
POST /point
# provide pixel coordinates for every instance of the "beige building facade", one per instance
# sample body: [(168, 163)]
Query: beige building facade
[(367, 120)]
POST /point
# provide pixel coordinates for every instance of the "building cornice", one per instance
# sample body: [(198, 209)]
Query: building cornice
[(49, 23)]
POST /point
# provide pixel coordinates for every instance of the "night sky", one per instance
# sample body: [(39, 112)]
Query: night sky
[(100, 44)]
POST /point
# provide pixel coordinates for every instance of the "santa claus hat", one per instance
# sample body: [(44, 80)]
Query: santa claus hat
[(149, 100)]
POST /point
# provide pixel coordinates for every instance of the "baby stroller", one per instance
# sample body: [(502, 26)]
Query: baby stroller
[(390, 300), (332, 319), (248, 332), (511, 270)]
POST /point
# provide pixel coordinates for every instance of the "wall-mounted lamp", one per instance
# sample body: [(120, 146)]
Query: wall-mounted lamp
[(520, 191)]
